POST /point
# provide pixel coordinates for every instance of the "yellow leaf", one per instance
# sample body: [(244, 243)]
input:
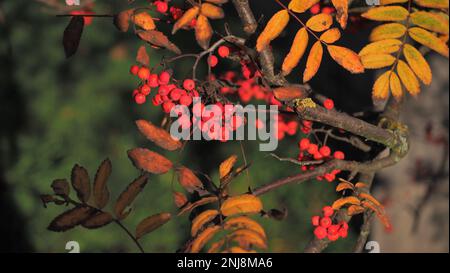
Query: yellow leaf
[(330, 36), (202, 219), (236, 249), (360, 185), (226, 166), (247, 237), (212, 11), (354, 210), (297, 50), (203, 31), (375, 61), (300, 6), (383, 46), (387, 31), (320, 22), (380, 89), (216, 246), (396, 86), (313, 62), (273, 29), (408, 78), (344, 186), (429, 40), (350, 200), (200, 241), (186, 19), (144, 20), (389, 13), (437, 4), (244, 222), (246, 203), (418, 64), (388, 2), (430, 21), (341, 7), (346, 58)]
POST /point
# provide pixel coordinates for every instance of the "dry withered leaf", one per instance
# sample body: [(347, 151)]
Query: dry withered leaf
[(289, 93), (61, 187), (158, 39), (70, 218), (122, 20), (149, 161), (72, 35), (151, 223), (81, 183), (101, 192), (188, 180), (158, 135), (179, 199), (142, 56), (97, 220), (128, 196)]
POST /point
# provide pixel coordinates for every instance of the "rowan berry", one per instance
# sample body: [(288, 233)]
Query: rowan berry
[(135, 92), (140, 98), (175, 94), (325, 222), (333, 237), (161, 6), (328, 104), (315, 220), (164, 90), (213, 61), (224, 51), (343, 232), (145, 89), (329, 177), (164, 77), (153, 80), (167, 106), (313, 149), (157, 100), (339, 155), (189, 84), (333, 229), (315, 9), (320, 232), (134, 69), (304, 144), (186, 100), (327, 211), (325, 151), (328, 10), (143, 73)]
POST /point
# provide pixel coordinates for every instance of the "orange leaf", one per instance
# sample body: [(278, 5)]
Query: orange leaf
[(346, 58), (313, 62), (157, 38), (179, 199), (151, 223), (144, 20), (247, 237), (226, 166), (341, 7), (149, 161), (376, 61), (273, 29), (354, 210), (142, 56), (297, 50), (203, 31), (320, 22), (371, 199), (429, 40), (290, 92), (186, 19), (437, 4), (301, 6), (201, 202), (381, 47), (246, 203), (158, 135), (430, 21), (200, 241), (188, 180), (380, 89), (396, 86), (330, 36), (344, 186), (202, 219), (212, 11), (244, 222), (350, 200)]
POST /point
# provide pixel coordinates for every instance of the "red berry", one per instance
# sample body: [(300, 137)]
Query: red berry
[(327, 211), (167, 106), (135, 92), (344, 225), (161, 6), (339, 155), (224, 51), (164, 77), (186, 100), (315, 9), (153, 81), (213, 61), (320, 232), (140, 98), (143, 73), (325, 222), (343, 232), (333, 229), (189, 84), (329, 177), (145, 89), (313, 149), (157, 100), (175, 94), (317, 156), (164, 90), (328, 104), (325, 151), (315, 219), (134, 69), (328, 10), (333, 237)]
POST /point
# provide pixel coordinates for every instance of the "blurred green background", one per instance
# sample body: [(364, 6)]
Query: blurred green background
[(56, 112)]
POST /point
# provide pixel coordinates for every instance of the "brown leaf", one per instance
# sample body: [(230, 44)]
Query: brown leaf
[(101, 192), (61, 187), (201, 202), (157, 38), (149, 161), (122, 20), (277, 214), (128, 196), (290, 93), (158, 135), (99, 219), (142, 56), (70, 218), (72, 35), (151, 223), (188, 180), (81, 183)]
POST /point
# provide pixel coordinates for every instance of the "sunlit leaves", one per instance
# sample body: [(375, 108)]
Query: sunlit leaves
[(203, 31), (301, 6), (395, 86), (144, 21), (429, 40), (408, 78), (246, 203), (350, 200), (212, 11), (186, 19), (380, 90), (418, 64), (376, 61), (188, 180), (381, 47), (437, 4), (289, 93), (320, 22), (202, 219), (273, 29), (346, 58), (200, 241), (313, 62), (298, 48), (341, 7), (430, 21), (331, 36), (387, 31), (226, 166), (389, 13)]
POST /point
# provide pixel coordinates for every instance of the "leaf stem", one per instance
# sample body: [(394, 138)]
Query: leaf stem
[(130, 235)]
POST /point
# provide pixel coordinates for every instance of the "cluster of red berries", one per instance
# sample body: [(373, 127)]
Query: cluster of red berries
[(325, 227), (312, 151), (317, 8), (167, 94), (222, 51)]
